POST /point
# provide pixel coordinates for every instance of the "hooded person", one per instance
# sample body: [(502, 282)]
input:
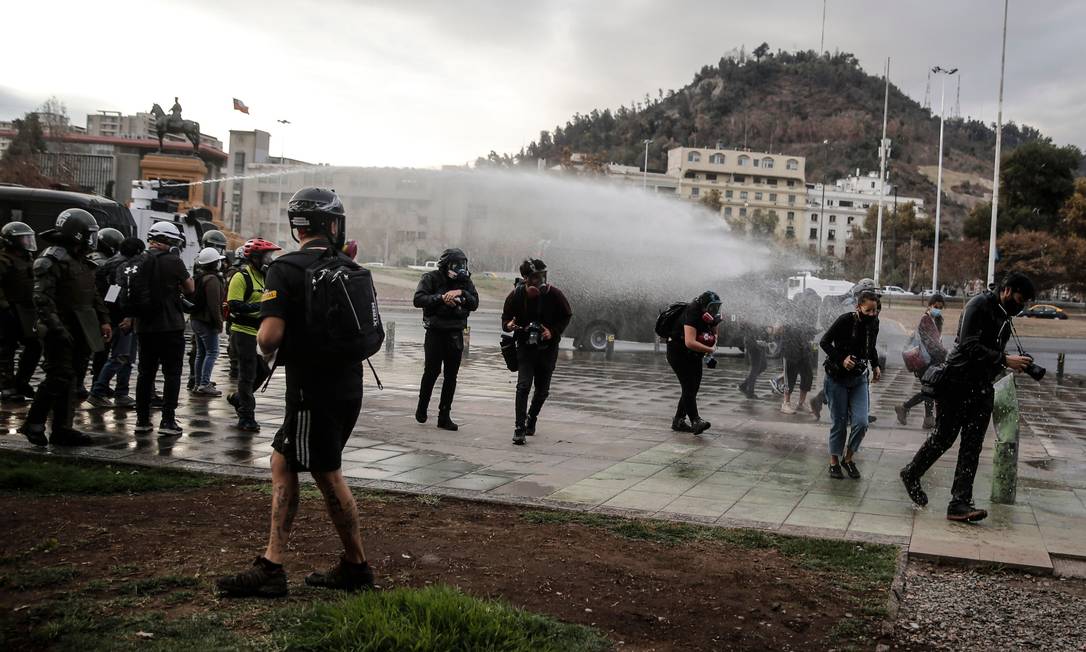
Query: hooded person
[(693, 340), (447, 297)]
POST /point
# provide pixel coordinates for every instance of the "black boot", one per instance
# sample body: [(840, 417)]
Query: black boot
[(679, 424), (697, 426), (35, 433), (69, 437), (529, 426), (518, 437), (444, 421), (420, 411)]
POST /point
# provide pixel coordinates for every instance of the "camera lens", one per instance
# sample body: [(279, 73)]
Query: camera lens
[(1035, 371)]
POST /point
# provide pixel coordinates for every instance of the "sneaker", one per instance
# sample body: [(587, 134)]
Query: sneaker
[(778, 384), (697, 426), (143, 427), (248, 424), (680, 425), (902, 414), (835, 472), (518, 437), (169, 427), (787, 408), (965, 512), (207, 390), (34, 433), (816, 408), (929, 422), (529, 426), (69, 437), (850, 468), (124, 401), (99, 401), (344, 576), (263, 580), (912, 487), (232, 399)]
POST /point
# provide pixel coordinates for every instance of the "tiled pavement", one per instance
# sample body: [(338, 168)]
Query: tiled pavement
[(604, 444)]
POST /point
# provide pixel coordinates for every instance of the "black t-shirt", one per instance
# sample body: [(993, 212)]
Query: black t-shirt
[(169, 273), (284, 297), (691, 316)]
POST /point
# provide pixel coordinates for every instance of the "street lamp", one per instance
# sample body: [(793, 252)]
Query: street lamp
[(884, 152), (645, 171), (998, 147), (279, 193), (939, 181), (822, 205)]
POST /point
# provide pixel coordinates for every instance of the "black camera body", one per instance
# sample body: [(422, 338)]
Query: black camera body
[(860, 368), (710, 361), (1034, 370), (534, 331)]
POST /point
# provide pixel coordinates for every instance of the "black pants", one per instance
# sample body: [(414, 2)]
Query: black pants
[(756, 359), (444, 348), (252, 372), (687, 366), (798, 364), (536, 366), (964, 410), (168, 351), (918, 398), (56, 394), (11, 336)]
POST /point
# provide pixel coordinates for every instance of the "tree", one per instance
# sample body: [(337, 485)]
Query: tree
[(1073, 211), (1036, 179), (761, 51), (712, 201), (1036, 253), (20, 162)]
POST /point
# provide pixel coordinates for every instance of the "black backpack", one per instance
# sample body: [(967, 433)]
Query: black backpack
[(136, 279), (669, 318), (342, 320)]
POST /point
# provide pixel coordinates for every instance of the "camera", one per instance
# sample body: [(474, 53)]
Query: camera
[(861, 367), (710, 361), (1035, 371), (535, 333)]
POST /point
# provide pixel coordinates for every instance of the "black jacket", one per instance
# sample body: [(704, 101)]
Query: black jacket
[(550, 309), (437, 315), (983, 332), (850, 335)]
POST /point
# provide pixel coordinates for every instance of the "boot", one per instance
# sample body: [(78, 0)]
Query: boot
[(35, 433), (420, 411), (444, 421), (518, 437), (69, 437), (679, 424), (697, 426), (529, 426), (902, 414)]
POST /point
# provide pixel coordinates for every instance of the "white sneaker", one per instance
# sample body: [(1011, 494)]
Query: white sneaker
[(787, 408)]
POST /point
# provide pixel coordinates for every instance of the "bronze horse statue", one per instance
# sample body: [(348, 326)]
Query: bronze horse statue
[(168, 124)]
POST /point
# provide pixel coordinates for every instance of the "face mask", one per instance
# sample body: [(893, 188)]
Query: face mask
[(866, 318), (1012, 306), (935, 312)]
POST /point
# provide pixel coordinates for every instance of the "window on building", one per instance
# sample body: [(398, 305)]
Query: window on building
[(739, 178), (772, 182), (791, 200), (848, 250), (792, 164), (694, 192), (718, 159), (831, 235), (791, 183), (833, 219), (757, 179), (872, 184), (790, 233), (757, 162), (773, 214), (850, 218), (743, 212), (728, 194), (757, 196), (773, 197), (829, 202), (727, 211), (742, 194), (709, 176), (814, 233), (239, 163), (845, 203), (690, 174), (744, 161), (791, 216), (829, 249), (693, 157), (814, 217), (767, 163)]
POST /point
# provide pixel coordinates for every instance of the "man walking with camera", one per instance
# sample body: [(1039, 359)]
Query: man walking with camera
[(963, 401), (537, 313)]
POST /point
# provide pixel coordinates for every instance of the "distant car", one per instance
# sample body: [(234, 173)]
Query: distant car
[(489, 275), (1044, 311), (893, 289), (374, 264), (927, 293)]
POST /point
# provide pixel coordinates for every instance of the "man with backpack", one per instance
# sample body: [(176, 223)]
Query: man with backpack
[(691, 330), (17, 317), (319, 317), (206, 318), (155, 282), (75, 322), (447, 296), (537, 313), (243, 299), (122, 346)]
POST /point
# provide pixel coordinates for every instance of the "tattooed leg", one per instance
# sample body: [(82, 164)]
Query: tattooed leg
[(344, 512), (284, 507)]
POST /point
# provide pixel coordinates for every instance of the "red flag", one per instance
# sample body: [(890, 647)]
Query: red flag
[(240, 106)]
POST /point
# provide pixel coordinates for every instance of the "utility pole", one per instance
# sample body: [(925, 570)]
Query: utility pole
[(645, 171), (939, 181), (822, 42), (884, 146), (282, 173), (999, 145)]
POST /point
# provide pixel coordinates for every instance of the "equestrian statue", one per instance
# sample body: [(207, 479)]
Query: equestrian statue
[(173, 123)]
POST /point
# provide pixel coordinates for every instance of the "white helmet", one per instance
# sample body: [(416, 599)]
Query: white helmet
[(167, 232), (209, 256)]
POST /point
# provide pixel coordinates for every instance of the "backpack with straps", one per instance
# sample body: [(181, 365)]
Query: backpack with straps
[(668, 320), (136, 280), (342, 319)]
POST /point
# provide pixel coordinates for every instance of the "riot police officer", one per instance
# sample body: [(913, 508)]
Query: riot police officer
[(74, 323), (17, 315), (447, 296)]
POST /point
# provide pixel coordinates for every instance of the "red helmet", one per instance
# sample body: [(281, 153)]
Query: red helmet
[(258, 246)]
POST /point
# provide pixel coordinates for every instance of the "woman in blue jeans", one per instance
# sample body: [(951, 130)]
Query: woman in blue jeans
[(850, 355), (206, 320)]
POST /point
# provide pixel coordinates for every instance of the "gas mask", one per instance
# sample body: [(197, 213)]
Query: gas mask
[(458, 270), (711, 314), (536, 285)]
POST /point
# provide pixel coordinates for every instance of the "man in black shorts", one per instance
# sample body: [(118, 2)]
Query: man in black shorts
[(323, 399)]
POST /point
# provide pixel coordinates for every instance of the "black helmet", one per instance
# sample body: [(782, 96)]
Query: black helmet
[(315, 209), (709, 301), (532, 266), (109, 241), (75, 227), (454, 262), (215, 239), (18, 235)]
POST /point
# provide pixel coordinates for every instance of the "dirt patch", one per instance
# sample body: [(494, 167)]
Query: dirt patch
[(161, 551)]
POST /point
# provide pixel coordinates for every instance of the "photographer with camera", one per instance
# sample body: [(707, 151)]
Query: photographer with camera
[(537, 314), (691, 347), (963, 392), (850, 352), (447, 296)]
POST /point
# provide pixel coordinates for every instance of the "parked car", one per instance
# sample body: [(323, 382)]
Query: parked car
[(895, 290), (1044, 311)]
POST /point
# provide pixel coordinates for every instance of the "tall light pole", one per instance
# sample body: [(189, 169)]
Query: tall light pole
[(939, 181), (822, 205), (884, 146), (645, 171), (999, 145), (822, 42), (282, 172)]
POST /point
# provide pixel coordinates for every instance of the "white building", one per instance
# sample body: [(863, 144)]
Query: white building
[(827, 228)]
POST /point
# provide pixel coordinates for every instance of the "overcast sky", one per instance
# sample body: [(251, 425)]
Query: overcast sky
[(432, 82)]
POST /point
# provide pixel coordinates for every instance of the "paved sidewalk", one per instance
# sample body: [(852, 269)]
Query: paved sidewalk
[(604, 444)]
